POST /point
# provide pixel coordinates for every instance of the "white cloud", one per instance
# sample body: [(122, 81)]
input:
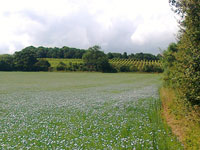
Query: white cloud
[(116, 25)]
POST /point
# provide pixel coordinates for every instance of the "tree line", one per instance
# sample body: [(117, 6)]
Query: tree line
[(182, 59), (24, 60), (75, 53), (30, 59)]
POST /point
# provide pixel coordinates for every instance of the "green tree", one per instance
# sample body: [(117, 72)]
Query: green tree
[(110, 55), (96, 59), (169, 64), (186, 66), (6, 63), (41, 52), (133, 68), (152, 68), (125, 56), (25, 60), (124, 68), (61, 66), (42, 65)]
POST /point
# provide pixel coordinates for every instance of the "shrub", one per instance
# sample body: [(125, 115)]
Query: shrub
[(61, 66), (42, 65), (133, 68), (96, 60), (147, 68), (124, 68), (25, 60), (186, 71), (6, 62), (152, 68)]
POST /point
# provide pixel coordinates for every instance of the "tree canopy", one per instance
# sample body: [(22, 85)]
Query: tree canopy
[(75, 53), (6, 62), (96, 59), (182, 61), (25, 60)]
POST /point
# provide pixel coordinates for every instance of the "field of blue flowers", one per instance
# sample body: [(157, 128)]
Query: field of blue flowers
[(82, 111)]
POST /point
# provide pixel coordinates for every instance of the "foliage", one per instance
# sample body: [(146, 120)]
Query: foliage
[(169, 64), (61, 66), (184, 70), (124, 68), (137, 56), (142, 56), (25, 60), (42, 65), (184, 120), (64, 52), (6, 63), (75, 53), (157, 69), (96, 59), (152, 68), (133, 68)]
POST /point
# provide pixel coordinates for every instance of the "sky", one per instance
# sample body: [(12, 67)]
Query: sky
[(133, 26)]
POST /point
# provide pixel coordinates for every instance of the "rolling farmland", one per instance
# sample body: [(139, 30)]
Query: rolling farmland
[(139, 64)]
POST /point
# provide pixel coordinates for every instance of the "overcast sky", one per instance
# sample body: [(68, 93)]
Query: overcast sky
[(116, 25)]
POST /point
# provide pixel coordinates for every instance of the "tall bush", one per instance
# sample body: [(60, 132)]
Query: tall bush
[(96, 60), (184, 70)]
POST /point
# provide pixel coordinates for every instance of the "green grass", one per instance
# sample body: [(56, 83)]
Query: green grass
[(55, 61), (182, 118), (82, 111)]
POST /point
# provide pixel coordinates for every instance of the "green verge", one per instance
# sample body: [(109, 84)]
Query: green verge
[(183, 119)]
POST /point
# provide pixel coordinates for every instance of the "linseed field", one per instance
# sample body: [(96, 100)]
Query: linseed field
[(57, 110)]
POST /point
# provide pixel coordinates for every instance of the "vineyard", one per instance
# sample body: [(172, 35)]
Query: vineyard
[(138, 65)]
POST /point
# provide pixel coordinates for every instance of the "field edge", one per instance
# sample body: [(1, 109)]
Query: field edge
[(183, 120)]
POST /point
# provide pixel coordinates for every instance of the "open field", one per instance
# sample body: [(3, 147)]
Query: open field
[(55, 61), (82, 111)]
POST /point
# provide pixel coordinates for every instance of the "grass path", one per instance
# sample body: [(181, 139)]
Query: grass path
[(82, 111)]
